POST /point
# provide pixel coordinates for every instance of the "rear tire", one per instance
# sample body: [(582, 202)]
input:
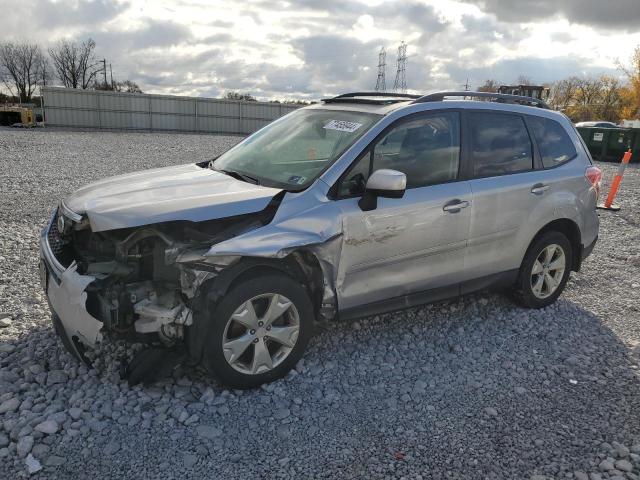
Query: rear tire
[(258, 331), (544, 271)]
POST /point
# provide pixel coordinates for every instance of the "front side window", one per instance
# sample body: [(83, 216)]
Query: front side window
[(291, 152), (554, 144), (500, 144), (425, 149)]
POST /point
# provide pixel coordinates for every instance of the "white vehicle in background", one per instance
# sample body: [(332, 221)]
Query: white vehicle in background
[(597, 124)]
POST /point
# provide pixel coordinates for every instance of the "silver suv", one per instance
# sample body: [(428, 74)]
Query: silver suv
[(361, 204)]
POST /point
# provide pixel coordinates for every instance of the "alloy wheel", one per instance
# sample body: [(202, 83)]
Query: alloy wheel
[(261, 333), (548, 271)]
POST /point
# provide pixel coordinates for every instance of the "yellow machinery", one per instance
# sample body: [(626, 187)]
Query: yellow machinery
[(12, 115)]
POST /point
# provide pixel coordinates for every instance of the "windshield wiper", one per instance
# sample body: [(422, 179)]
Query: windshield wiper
[(239, 176)]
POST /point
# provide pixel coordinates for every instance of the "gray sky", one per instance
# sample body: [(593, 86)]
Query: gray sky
[(313, 48)]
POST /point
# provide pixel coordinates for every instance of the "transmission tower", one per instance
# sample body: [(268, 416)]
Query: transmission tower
[(382, 66), (400, 84)]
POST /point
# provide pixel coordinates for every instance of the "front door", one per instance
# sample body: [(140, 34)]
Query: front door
[(411, 244)]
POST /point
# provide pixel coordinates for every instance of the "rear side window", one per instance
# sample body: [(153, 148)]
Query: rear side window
[(554, 144), (500, 144)]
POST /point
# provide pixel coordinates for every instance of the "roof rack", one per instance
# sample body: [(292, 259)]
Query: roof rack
[(379, 98), (499, 97)]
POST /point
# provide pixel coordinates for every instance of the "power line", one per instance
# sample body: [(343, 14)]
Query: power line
[(400, 83), (382, 66)]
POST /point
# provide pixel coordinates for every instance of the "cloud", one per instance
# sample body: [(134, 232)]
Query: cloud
[(335, 59), (487, 29), (619, 14), (562, 37), (50, 14), (412, 13), (539, 70), (152, 34), (47, 18), (309, 49)]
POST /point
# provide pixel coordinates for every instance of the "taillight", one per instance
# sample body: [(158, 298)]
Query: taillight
[(594, 175)]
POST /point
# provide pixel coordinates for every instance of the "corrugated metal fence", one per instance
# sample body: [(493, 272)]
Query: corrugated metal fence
[(67, 107)]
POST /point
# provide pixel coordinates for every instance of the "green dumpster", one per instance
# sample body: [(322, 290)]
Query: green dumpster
[(609, 144)]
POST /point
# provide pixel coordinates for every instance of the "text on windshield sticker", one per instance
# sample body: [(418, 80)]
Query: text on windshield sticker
[(342, 126), (297, 179)]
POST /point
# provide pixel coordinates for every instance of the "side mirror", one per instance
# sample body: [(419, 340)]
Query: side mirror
[(382, 183)]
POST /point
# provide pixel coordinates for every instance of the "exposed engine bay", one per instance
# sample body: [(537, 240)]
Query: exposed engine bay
[(146, 277)]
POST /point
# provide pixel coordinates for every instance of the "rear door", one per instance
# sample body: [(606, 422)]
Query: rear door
[(505, 188), (414, 243)]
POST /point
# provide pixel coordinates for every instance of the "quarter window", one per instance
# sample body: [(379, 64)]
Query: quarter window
[(554, 144), (500, 144), (356, 177)]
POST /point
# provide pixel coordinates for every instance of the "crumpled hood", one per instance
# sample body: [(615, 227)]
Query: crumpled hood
[(184, 192)]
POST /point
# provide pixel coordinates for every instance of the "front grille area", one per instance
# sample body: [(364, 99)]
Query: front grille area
[(58, 245)]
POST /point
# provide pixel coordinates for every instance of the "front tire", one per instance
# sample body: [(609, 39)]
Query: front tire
[(258, 331), (544, 271)]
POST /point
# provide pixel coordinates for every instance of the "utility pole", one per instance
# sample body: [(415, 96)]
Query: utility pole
[(111, 72), (400, 83), (466, 85), (382, 66), (104, 70)]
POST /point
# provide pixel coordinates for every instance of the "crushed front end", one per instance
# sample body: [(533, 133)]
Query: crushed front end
[(132, 283)]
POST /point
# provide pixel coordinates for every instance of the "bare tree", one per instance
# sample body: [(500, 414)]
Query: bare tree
[(524, 80), (631, 91), (45, 72), (20, 65), (587, 98), (609, 99), (240, 96), (489, 86), (126, 86), (563, 93), (129, 87), (75, 64)]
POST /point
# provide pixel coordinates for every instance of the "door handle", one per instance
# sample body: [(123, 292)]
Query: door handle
[(454, 206), (539, 188)]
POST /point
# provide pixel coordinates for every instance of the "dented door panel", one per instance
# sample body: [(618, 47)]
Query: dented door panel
[(404, 246)]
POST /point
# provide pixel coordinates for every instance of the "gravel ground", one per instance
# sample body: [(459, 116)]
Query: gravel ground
[(475, 388)]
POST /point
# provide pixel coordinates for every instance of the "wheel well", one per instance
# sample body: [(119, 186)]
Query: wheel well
[(301, 265), (571, 230)]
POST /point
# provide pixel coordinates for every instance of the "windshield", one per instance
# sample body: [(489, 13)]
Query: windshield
[(291, 152)]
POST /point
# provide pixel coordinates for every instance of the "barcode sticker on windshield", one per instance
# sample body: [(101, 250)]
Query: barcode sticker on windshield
[(342, 126)]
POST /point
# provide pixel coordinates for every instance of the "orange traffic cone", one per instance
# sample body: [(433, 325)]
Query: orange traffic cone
[(615, 185)]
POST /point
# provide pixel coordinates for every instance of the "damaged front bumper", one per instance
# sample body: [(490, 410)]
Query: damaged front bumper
[(65, 290), (85, 305)]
